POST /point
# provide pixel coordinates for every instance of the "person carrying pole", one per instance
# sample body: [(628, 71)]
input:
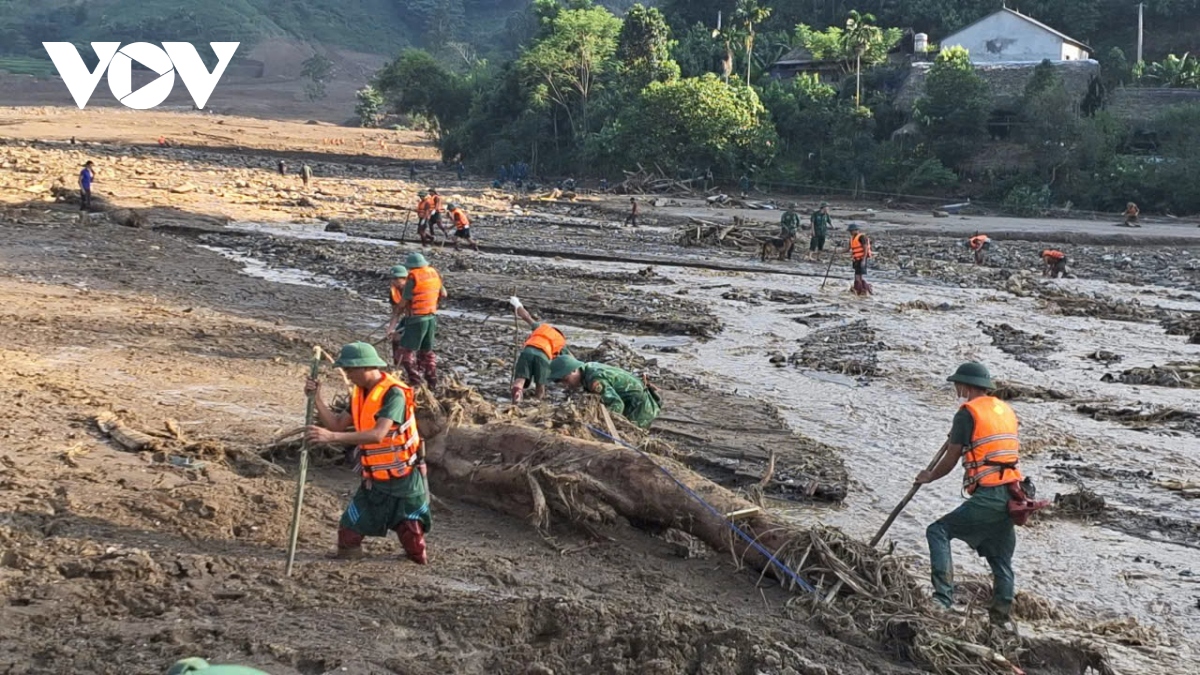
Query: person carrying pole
[(619, 390), (421, 294), (532, 368), (382, 423), (984, 435)]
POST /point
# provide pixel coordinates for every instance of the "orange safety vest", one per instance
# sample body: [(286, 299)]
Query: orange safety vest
[(424, 207), (395, 456), (991, 458), (397, 296), (978, 241), (460, 219), (1057, 255), (548, 339), (435, 203), (858, 250), (427, 290)]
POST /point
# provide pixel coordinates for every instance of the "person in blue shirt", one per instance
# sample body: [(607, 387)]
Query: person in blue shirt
[(86, 178)]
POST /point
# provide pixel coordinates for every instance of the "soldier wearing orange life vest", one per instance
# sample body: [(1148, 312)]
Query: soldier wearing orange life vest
[(977, 244), (1054, 263), (382, 424), (462, 226), (424, 208), (546, 342), (860, 253), (399, 275), (985, 436), (420, 296)]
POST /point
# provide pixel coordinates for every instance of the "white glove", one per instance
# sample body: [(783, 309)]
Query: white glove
[(515, 302)]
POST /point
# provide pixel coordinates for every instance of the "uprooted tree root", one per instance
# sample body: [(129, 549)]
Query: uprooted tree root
[(515, 463)]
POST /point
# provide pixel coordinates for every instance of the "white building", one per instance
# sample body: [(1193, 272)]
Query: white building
[(1009, 36)]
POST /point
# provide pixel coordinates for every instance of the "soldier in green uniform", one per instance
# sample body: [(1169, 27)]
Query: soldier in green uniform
[(789, 226), (820, 224), (620, 391)]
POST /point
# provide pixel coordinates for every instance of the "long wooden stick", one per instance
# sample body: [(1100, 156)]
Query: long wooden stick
[(309, 413), (887, 524), (832, 257)]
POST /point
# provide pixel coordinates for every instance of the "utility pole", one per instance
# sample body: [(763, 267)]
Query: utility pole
[(1141, 8)]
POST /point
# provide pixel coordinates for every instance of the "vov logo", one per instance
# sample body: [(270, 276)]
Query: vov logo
[(171, 58)]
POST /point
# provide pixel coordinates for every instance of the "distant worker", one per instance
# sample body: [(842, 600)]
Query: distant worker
[(421, 294), (604, 185), (1131, 215), (821, 223), (282, 166), (532, 369), (412, 170), (424, 208), (984, 435), (789, 229), (631, 219), (382, 423), (860, 253), (460, 169), (1055, 263), (744, 185), (619, 390), (86, 177), (399, 275), (569, 185), (462, 227), (435, 214), (708, 179), (306, 175), (978, 244)]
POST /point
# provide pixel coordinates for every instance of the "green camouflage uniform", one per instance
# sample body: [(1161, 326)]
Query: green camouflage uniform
[(621, 392), (789, 224)]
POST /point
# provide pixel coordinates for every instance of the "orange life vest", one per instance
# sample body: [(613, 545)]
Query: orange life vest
[(978, 241), (424, 207), (1056, 255), (991, 458), (859, 250), (435, 203), (395, 456), (397, 297), (427, 290), (460, 219), (548, 339)]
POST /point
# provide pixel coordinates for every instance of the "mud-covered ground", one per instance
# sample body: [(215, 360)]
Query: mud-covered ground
[(198, 328)]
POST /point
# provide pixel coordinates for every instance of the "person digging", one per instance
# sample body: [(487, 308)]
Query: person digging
[(1054, 264), (619, 390), (984, 435), (382, 424), (1131, 214), (978, 244), (399, 275), (532, 368), (860, 253), (420, 296)]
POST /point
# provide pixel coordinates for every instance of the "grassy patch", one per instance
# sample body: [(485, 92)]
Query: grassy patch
[(24, 65)]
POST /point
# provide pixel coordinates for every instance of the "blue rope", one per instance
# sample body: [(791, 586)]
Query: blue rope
[(733, 526)]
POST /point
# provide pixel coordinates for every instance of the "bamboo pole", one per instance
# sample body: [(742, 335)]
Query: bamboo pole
[(309, 413)]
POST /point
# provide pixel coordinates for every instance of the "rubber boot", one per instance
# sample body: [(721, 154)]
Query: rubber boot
[(408, 361), (427, 362), (349, 544), (412, 538)]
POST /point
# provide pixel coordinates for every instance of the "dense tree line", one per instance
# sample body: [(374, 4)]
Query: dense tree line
[(590, 93)]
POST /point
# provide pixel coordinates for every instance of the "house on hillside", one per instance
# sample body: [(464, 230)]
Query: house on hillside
[(800, 61), (1009, 36)]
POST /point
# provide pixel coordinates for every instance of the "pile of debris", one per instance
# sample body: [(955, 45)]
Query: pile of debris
[(1098, 306), (646, 182), (768, 295), (1028, 348), (1184, 324), (1178, 374), (847, 348), (742, 234), (1145, 419)]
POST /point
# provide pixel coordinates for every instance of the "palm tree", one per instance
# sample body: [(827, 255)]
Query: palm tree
[(860, 34), (749, 12)]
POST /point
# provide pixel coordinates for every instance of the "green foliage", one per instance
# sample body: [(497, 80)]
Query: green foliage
[(22, 65), (694, 123), (416, 83), (369, 108), (954, 110), (697, 52), (644, 48), (318, 69), (1173, 71), (1024, 200)]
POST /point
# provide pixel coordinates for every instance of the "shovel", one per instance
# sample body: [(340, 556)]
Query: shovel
[(309, 413)]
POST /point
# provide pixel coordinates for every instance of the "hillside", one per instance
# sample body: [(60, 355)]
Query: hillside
[(368, 26)]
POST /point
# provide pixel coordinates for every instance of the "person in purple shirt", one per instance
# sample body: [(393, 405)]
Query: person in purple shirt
[(86, 177)]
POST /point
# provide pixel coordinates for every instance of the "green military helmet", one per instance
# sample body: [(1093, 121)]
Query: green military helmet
[(452, 205), (415, 260), (201, 667), (563, 366), (398, 271), (422, 194), (359, 355), (853, 227), (824, 205), (974, 374)]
